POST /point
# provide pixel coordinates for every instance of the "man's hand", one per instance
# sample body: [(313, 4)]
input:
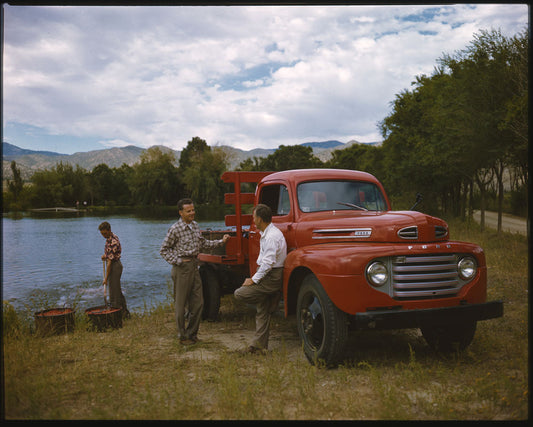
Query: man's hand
[(247, 282), (225, 238)]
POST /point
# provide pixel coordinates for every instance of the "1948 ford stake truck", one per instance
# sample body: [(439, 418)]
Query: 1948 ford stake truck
[(353, 263)]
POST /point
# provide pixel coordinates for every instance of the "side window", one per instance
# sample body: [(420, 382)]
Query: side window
[(284, 206), (277, 197)]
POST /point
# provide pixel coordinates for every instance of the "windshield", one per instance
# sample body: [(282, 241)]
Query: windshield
[(340, 195)]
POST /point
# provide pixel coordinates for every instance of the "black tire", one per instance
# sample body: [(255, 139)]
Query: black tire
[(211, 293), (451, 337), (322, 327)]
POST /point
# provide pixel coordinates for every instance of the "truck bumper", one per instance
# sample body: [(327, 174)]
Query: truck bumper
[(416, 318)]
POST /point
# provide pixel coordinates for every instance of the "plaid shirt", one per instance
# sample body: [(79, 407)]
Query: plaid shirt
[(184, 240), (112, 249)]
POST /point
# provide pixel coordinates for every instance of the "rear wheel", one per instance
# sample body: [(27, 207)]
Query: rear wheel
[(211, 292), (322, 327), (450, 337)]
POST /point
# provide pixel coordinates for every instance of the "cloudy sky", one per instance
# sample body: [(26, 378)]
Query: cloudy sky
[(86, 78)]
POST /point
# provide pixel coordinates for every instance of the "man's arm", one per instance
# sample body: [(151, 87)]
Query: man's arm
[(209, 244)]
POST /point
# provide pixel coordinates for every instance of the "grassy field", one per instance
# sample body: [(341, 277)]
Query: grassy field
[(141, 371)]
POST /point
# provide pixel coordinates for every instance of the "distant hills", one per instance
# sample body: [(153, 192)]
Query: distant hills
[(30, 161), (11, 151)]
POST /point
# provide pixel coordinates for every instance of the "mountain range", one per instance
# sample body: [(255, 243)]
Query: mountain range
[(30, 161)]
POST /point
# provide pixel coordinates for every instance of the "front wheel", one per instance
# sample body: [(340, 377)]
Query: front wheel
[(322, 327), (450, 337)]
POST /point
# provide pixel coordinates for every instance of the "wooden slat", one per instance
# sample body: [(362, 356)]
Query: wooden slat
[(246, 198), (230, 176), (231, 220), (219, 259)]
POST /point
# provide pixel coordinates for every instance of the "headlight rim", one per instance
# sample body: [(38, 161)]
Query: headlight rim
[(461, 270), (371, 275)]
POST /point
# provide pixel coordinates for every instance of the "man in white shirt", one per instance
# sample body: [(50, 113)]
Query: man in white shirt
[(264, 288)]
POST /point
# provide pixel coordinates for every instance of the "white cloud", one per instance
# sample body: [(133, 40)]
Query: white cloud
[(243, 76)]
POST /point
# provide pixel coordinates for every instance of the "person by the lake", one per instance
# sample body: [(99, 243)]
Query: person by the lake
[(113, 273), (264, 288), (180, 248)]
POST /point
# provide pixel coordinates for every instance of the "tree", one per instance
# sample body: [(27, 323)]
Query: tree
[(101, 184), (361, 157), (291, 157), (202, 176), (484, 74), (462, 125), (250, 164), (15, 186), (194, 149), (47, 188), (61, 186), (121, 177), (154, 180)]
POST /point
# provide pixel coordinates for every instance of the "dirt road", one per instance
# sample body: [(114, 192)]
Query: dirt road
[(510, 223)]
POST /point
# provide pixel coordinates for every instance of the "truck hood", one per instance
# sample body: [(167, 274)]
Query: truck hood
[(357, 226)]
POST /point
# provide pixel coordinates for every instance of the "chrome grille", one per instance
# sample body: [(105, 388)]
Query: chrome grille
[(429, 276)]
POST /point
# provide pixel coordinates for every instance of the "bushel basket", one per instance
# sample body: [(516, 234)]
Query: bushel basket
[(104, 317), (54, 321)]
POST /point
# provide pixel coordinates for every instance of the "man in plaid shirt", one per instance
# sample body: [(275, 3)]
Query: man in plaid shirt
[(181, 247)]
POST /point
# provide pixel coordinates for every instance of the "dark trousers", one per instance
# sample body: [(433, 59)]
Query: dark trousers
[(262, 294), (188, 294), (116, 298)]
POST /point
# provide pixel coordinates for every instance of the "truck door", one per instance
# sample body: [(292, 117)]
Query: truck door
[(276, 196)]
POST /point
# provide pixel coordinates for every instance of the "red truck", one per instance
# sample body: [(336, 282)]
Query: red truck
[(352, 262)]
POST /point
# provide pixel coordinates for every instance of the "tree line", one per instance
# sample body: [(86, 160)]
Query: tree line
[(458, 136)]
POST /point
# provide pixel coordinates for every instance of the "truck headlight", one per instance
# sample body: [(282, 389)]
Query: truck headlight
[(377, 273), (467, 267)]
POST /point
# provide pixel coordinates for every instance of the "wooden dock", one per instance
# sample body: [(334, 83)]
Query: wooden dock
[(57, 209)]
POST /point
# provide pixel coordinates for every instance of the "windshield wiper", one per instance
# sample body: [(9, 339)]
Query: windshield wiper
[(351, 205)]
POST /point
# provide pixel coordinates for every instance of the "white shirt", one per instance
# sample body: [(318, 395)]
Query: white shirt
[(272, 252)]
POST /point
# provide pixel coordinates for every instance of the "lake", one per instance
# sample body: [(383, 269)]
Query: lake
[(53, 261)]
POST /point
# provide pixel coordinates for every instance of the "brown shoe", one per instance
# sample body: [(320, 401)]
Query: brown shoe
[(274, 302), (187, 341)]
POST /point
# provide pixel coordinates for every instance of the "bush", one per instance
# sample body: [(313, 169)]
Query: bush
[(12, 322)]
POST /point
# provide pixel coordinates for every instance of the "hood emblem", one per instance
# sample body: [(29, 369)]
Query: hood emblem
[(344, 233)]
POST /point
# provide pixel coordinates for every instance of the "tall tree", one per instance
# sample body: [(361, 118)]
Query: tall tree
[(483, 71), (195, 149), (202, 176), (154, 180), (15, 186), (101, 184)]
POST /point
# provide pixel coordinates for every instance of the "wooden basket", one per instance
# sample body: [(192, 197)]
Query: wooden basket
[(104, 317), (54, 321)]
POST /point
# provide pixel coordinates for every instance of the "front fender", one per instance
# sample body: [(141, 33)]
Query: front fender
[(340, 270)]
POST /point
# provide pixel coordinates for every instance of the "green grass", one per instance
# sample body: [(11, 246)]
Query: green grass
[(141, 371)]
